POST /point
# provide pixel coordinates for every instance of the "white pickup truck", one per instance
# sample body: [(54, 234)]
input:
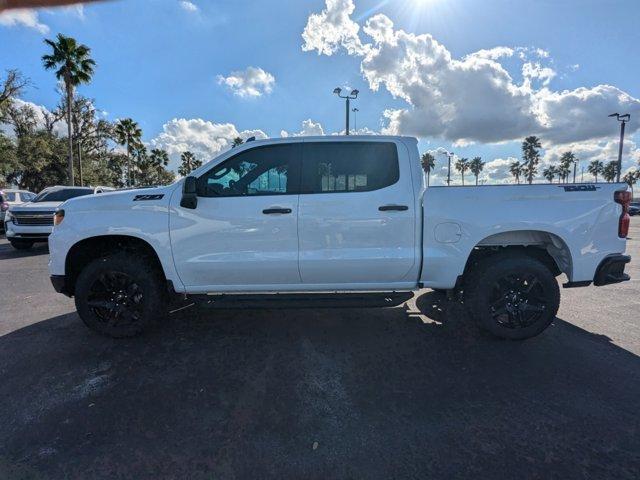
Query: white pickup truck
[(335, 221)]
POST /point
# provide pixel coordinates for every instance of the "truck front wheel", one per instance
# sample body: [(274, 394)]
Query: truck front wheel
[(120, 295), (512, 295)]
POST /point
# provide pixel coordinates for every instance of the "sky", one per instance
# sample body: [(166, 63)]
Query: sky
[(468, 76)]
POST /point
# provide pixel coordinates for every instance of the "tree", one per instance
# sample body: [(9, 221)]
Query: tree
[(462, 165), (189, 163), (12, 86), (550, 173), (609, 171), (531, 156), (237, 142), (595, 168), (126, 132), (567, 160), (631, 178), (428, 163), (74, 66), (515, 169), (153, 169), (476, 166)]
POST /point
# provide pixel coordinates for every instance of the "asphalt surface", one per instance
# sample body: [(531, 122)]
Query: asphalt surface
[(407, 392)]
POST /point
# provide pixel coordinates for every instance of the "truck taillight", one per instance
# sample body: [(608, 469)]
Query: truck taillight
[(623, 197)]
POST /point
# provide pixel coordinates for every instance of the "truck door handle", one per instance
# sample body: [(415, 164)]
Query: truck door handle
[(271, 211), (399, 208)]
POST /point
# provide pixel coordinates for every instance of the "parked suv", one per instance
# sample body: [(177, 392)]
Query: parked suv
[(32, 222), (10, 198)]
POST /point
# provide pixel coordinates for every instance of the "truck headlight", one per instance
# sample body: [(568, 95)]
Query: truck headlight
[(58, 217)]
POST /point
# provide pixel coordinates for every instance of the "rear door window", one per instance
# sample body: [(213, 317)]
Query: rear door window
[(332, 167)]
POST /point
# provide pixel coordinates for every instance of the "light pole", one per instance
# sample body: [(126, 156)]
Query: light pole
[(80, 160), (355, 118), (449, 156), (623, 119), (352, 96)]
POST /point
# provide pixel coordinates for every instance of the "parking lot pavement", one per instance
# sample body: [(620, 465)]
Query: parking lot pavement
[(411, 391)]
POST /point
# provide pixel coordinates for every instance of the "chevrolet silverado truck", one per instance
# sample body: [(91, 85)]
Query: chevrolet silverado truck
[(335, 221)]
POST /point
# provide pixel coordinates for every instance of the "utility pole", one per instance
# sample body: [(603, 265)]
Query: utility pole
[(355, 118), (450, 156), (582, 176), (623, 119), (80, 161), (351, 96), (575, 163)]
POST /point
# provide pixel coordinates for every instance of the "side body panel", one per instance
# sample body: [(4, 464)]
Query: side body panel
[(456, 219)]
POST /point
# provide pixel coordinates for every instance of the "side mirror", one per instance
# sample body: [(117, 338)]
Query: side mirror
[(189, 193)]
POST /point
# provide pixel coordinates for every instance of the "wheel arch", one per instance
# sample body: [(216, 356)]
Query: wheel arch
[(86, 250), (545, 246)]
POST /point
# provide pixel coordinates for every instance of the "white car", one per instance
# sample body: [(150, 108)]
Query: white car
[(31, 222), (10, 197), (326, 221)]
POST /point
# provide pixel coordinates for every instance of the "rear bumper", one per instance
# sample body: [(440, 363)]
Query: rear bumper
[(611, 270), (59, 283)]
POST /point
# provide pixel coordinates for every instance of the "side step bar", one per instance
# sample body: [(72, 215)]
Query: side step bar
[(302, 300)]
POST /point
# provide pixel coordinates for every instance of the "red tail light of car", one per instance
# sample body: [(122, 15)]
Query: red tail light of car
[(623, 197)]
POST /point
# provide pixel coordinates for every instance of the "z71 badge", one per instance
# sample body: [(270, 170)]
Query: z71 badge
[(140, 198)]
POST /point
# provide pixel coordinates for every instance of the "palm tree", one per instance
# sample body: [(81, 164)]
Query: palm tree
[(462, 165), (237, 142), (567, 161), (189, 163), (476, 166), (609, 171), (631, 177), (596, 167), (515, 169), (531, 156), (428, 163), (550, 173), (159, 158), (127, 132), (74, 66)]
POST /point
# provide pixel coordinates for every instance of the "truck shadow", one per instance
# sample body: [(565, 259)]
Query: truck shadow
[(8, 252), (363, 393)]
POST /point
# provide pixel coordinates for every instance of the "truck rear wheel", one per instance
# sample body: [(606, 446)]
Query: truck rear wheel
[(512, 295), (120, 295)]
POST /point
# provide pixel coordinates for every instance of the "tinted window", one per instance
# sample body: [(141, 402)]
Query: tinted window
[(27, 197), (61, 195), (269, 170), (10, 197), (349, 166)]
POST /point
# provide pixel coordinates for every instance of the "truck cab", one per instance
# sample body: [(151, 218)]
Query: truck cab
[(324, 220)]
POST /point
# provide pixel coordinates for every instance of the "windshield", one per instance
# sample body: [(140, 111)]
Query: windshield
[(61, 195)]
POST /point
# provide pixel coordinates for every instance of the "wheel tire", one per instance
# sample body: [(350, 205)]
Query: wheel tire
[(21, 244), (512, 295), (120, 295)]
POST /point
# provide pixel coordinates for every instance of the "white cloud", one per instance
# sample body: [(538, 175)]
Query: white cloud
[(309, 129), (251, 82), (204, 138), (188, 6), (332, 28), (472, 99), (23, 17), (535, 71)]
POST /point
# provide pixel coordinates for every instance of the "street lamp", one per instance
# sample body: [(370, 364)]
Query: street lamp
[(355, 118), (351, 96), (449, 156), (623, 119)]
